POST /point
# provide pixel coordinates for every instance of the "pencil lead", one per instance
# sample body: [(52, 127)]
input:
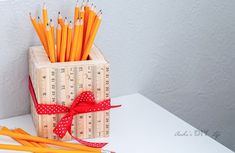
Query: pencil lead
[(59, 12), (50, 20), (30, 14)]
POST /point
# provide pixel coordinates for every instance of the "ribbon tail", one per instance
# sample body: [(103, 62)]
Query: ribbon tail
[(89, 144), (115, 106), (63, 126)]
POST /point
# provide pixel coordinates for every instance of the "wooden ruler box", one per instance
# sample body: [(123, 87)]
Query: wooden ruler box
[(60, 83)]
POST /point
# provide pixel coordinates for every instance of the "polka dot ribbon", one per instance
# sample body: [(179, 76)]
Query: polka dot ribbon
[(83, 103)]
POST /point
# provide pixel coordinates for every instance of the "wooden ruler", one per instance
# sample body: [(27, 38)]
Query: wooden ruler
[(99, 94), (106, 96), (71, 92), (44, 94), (80, 120), (87, 80)]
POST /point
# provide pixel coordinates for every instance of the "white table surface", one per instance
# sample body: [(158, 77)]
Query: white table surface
[(140, 126)]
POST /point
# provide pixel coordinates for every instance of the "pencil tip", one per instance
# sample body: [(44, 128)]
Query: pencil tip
[(30, 14), (59, 12)]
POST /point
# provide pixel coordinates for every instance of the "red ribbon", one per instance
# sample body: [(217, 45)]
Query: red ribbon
[(83, 103)]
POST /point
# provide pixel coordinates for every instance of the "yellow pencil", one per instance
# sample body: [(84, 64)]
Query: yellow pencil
[(91, 17), (58, 41), (74, 42), (37, 149), (60, 19), (47, 141), (69, 41), (79, 43), (91, 39), (76, 12), (45, 15), (86, 15), (51, 45), (63, 41)]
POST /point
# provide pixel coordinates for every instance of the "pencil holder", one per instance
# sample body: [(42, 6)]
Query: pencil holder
[(60, 83)]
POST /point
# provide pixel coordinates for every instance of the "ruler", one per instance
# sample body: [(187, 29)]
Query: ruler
[(106, 96), (71, 91), (88, 72), (80, 120), (61, 92), (99, 94), (52, 119), (44, 94)]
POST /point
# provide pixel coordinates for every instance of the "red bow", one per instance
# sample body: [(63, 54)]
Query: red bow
[(84, 103)]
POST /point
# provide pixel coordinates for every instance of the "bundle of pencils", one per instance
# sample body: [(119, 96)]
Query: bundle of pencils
[(71, 41), (41, 145)]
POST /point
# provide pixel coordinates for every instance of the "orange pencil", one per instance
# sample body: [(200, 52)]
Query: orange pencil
[(76, 12), (53, 35), (91, 17), (63, 41), (45, 15), (86, 15), (58, 41), (43, 32), (69, 40), (74, 42), (38, 31), (79, 43), (91, 39), (51, 46), (60, 19)]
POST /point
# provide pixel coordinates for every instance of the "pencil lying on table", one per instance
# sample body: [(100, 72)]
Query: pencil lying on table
[(48, 141), (31, 142)]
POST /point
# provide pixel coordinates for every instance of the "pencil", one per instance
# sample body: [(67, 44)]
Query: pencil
[(19, 130), (60, 19), (63, 40), (38, 31), (86, 15), (91, 16), (69, 41), (76, 12), (82, 16), (74, 42), (23, 142), (79, 43), (42, 31), (53, 37), (58, 41), (45, 15), (37, 149), (47, 141), (91, 39), (51, 46)]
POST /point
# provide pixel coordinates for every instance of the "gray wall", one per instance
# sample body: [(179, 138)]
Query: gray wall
[(180, 54)]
